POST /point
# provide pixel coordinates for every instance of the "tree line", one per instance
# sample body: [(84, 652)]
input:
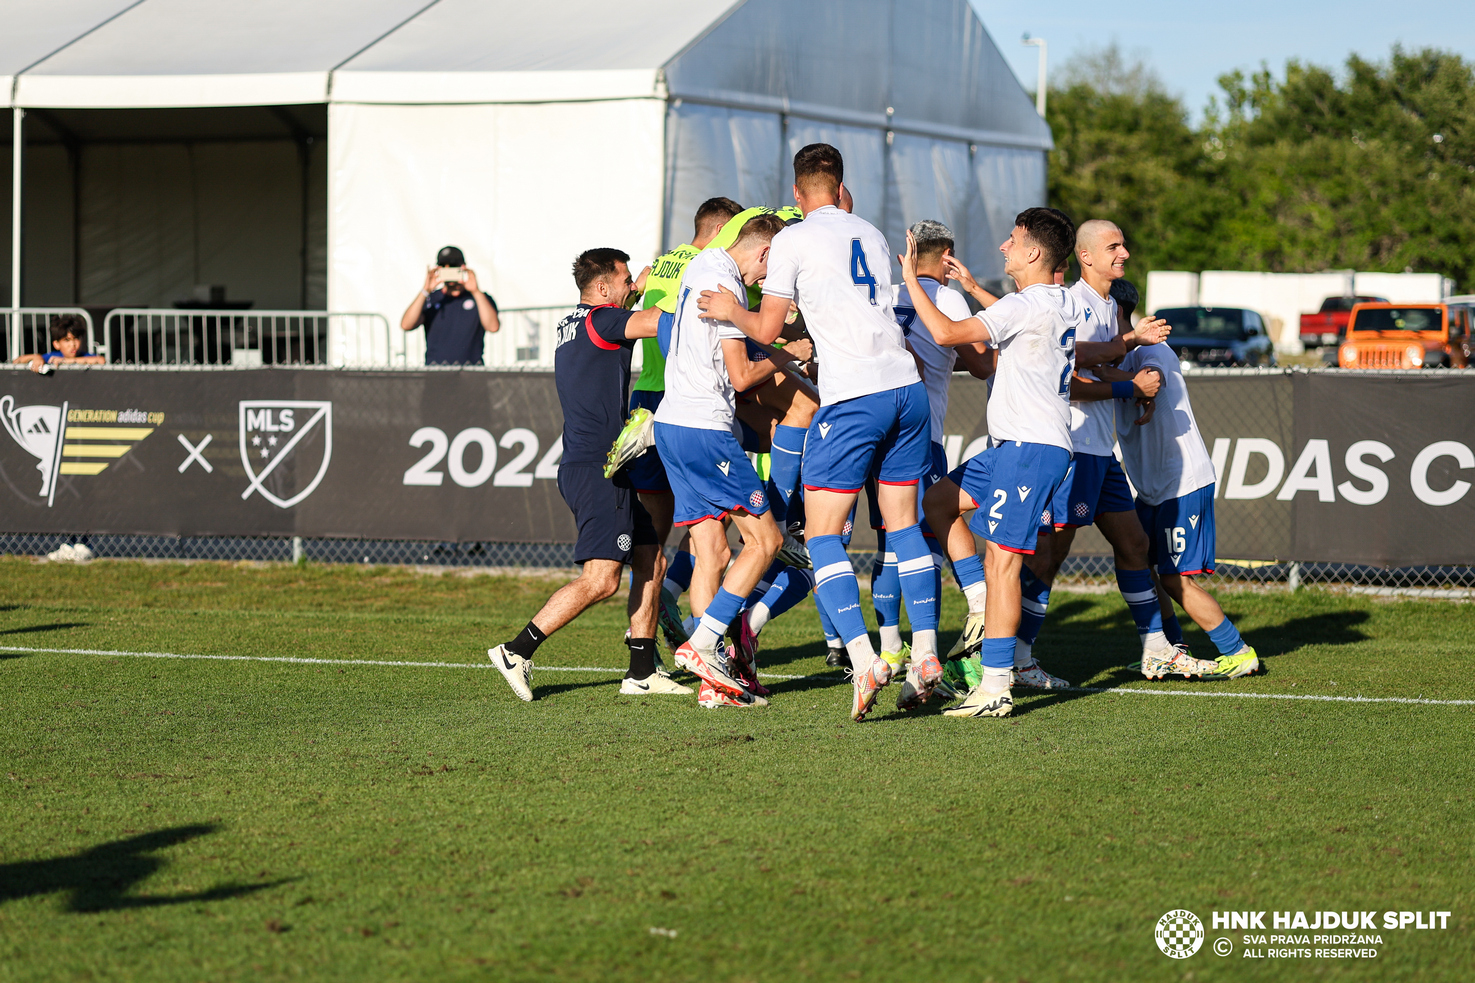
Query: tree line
[(1368, 168)]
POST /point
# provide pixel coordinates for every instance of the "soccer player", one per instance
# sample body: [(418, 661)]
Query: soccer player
[(1174, 477), (1011, 483), (1095, 490), (936, 363), (591, 370), (873, 415)]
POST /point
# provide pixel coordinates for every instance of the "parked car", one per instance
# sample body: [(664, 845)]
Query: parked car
[(1205, 336), (1407, 336), (1328, 325)]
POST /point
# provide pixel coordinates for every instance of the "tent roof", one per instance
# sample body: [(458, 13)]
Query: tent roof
[(925, 66)]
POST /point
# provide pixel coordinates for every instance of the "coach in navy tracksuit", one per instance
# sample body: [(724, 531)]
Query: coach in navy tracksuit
[(591, 367)]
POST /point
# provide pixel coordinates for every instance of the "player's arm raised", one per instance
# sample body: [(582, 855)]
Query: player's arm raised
[(944, 330)]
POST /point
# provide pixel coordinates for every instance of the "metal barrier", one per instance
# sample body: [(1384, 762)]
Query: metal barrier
[(526, 339), (27, 330), (245, 339)]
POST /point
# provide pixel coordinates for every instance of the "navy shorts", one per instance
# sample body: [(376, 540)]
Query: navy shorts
[(610, 519), (886, 435), (1180, 533), (1095, 484), (1012, 484), (647, 474), (710, 475)]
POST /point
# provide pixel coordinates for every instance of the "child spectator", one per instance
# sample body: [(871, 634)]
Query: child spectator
[(68, 346)]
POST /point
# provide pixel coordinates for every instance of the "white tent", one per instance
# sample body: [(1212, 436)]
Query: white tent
[(522, 133)]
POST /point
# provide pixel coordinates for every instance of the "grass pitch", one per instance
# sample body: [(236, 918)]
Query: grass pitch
[(221, 820)]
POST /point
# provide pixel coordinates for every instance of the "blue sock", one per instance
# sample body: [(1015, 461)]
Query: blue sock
[(835, 583), (1226, 638), (997, 653), (789, 588), (1034, 601), (719, 615), (1141, 597), (918, 576), (885, 585), (938, 560), (784, 463), (762, 587), (678, 573), (832, 637), (1173, 630), (968, 571)]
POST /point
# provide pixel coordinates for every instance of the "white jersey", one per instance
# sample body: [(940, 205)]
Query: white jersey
[(1165, 458), (837, 267), (1093, 421), (937, 361), (699, 391), (1034, 331)]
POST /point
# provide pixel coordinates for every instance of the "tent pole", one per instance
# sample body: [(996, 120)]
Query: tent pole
[(17, 149)]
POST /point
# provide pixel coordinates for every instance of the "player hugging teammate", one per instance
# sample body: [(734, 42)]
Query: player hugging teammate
[(1064, 368)]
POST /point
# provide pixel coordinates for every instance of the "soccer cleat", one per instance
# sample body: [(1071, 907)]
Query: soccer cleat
[(745, 672), (709, 669), (637, 437), (898, 660), (837, 658), (668, 616), (655, 684), (866, 685), (515, 669), (1033, 676), (971, 641), (711, 697), (1161, 663), (921, 681), (744, 640), (1242, 663), (981, 704), (960, 675), (793, 553)]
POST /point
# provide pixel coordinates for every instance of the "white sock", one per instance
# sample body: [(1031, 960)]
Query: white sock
[(1154, 641), (709, 632), (757, 617), (861, 653), (924, 643), (1024, 653), (977, 595), (690, 624), (994, 680), (673, 587), (890, 638)]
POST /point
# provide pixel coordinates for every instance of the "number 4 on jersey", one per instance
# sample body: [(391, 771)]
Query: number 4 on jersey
[(859, 271)]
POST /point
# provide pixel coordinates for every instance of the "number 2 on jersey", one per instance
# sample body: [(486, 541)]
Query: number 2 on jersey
[(1068, 345), (859, 271)]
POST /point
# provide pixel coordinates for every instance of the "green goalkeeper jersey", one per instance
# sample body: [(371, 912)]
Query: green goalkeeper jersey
[(661, 285)]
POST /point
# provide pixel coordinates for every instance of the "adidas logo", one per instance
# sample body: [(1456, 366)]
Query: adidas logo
[(824, 430), (1193, 521), (724, 466), (1024, 491)]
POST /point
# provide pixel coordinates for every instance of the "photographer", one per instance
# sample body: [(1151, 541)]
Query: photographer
[(456, 314)]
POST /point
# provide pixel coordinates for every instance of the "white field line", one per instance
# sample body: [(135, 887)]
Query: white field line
[(1134, 691)]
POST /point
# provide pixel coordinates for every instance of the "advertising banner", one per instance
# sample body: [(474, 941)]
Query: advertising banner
[(1313, 467)]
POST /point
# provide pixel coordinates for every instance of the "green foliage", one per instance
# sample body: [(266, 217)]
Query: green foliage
[(1372, 168)]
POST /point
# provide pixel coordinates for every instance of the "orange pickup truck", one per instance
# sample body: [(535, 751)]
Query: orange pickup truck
[(1407, 336)]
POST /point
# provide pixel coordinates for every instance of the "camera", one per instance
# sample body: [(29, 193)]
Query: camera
[(451, 274)]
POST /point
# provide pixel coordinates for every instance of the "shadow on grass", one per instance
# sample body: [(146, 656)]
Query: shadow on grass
[(33, 629), (543, 692), (99, 879), (1328, 628)]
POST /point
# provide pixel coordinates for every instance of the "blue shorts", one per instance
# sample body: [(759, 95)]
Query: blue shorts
[(710, 475), (936, 471), (1095, 484), (646, 473), (1180, 532), (887, 435), (610, 519), (1012, 485)]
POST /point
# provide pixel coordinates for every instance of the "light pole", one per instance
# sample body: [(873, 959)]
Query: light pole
[(1040, 89)]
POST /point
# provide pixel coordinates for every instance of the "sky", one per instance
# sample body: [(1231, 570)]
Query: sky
[(1190, 43)]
